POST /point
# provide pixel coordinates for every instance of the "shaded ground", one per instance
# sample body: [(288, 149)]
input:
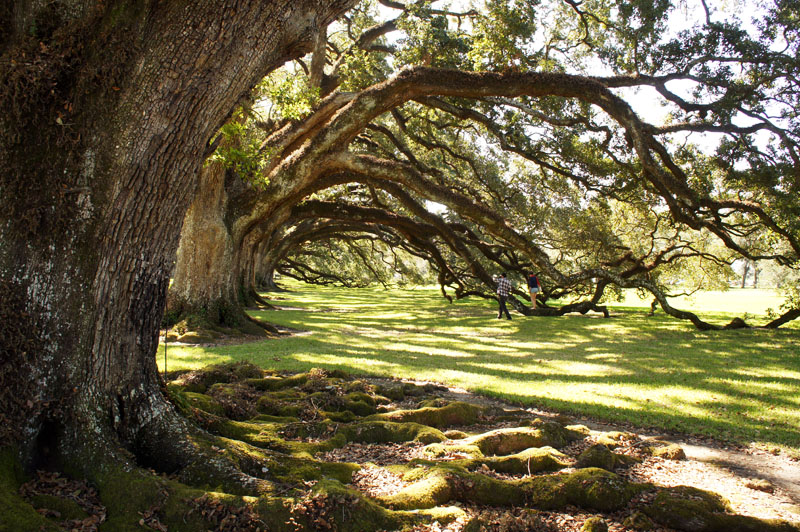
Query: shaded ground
[(762, 471), (333, 452), (739, 386), (774, 467)]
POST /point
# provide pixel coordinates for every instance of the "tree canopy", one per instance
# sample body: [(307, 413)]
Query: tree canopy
[(603, 145)]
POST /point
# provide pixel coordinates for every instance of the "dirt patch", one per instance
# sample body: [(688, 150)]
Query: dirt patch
[(747, 472)]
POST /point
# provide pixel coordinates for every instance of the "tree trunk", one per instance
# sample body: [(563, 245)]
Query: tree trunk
[(105, 118), (264, 278), (248, 257), (268, 279), (203, 283), (212, 281)]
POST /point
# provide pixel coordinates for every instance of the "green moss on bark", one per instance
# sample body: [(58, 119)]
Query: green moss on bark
[(205, 403), (454, 414), (599, 489), (390, 432), (590, 488), (513, 440), (277, 479), (529, 461), (662, 449), (599, 455)]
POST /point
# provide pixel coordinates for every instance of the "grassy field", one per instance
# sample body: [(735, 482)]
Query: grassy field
[(741, 385), (753, 303)]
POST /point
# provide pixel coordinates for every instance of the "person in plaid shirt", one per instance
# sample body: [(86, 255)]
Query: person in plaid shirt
[(503, 289)]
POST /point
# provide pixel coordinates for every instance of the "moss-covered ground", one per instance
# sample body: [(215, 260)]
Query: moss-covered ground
[(446, 459)]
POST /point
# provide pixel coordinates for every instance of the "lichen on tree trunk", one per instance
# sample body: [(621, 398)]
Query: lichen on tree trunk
[(203, 277), (207, 297)]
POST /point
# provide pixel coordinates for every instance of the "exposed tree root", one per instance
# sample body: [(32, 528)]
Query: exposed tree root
[(264, 462), (254, 299), (204, 327), (264, 325), (582, 307), (591, 488), (270, 286)]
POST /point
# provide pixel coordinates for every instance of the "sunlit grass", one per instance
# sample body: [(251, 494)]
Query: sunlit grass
[(741, 385), (753, 303)]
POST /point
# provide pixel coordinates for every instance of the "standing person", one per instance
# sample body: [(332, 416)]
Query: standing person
[(533, 287), (503, 289)]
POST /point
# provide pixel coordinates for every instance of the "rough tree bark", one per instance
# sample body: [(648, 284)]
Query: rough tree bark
[(105, 116), (209, 288), (202, 282), (219, 270)]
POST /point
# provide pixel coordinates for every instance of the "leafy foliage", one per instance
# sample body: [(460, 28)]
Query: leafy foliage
[(593, 193), (240, 148), (290, 95)]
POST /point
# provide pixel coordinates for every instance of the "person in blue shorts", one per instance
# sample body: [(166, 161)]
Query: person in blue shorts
[(533, 288)]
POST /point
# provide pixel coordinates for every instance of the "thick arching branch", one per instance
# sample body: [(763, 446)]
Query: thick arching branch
[(499, 228)]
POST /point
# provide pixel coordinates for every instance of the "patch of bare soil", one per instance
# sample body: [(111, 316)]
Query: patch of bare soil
[(756, 482)]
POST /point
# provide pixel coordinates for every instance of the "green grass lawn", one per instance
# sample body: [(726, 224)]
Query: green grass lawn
[(741, 385), (749, 302)]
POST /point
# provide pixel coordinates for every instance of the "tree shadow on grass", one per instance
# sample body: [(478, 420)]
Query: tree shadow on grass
[(649, 371)]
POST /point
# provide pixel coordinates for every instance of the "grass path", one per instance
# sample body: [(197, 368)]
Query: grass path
[(741, 385)]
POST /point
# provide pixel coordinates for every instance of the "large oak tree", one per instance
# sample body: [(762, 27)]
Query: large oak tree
[(108, 109), (106, 113)]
